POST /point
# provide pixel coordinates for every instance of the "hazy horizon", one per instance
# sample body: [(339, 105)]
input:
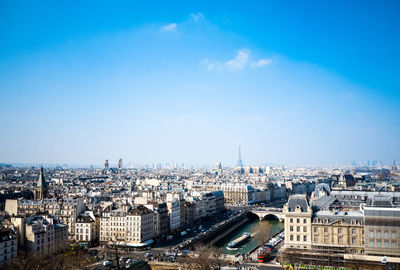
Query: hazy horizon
[(292, 83)]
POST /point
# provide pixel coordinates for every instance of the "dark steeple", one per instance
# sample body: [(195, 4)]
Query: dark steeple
[(41, 187), (41, 182)]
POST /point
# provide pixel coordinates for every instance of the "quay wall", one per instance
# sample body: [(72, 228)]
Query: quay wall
[(228, 231)]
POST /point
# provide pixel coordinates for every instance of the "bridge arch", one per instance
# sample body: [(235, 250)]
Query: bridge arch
[(270, 217), (252, 216), (269, 214)]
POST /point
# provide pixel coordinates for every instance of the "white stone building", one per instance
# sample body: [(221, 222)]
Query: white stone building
[(45, 235), (127, 227)]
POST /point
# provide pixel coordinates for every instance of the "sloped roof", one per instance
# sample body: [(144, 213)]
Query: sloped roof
[(380, 201), (324, 202), (298, 200), (322, 187)]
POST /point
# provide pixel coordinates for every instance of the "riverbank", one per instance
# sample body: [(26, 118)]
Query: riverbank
[(215, 231), (274, 252), (260, 230)]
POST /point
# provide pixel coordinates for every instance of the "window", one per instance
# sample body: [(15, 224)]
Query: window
[(379, 243), (353, 231), (354, 240), (315, 229), (298, 238), (386, 233), (378, 235), (305, 238), (394, 244), (326, 239), (339, 230), (371, 234), (371, 243), (305, 229), (298, 228), (386, 244), (393, 235), (291, 237), (304, 220), (298, 220), (291, 228), (325, 230), (315, 239), (340, 240)]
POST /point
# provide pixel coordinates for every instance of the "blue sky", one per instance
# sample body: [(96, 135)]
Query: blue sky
[(311, 82)]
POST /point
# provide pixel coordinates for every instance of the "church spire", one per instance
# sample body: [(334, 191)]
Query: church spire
[(41, 182), (41, 187)]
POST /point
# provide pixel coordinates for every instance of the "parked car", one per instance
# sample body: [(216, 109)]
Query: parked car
[(107, 263)]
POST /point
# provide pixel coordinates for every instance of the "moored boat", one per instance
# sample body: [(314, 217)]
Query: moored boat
[(240, 240)]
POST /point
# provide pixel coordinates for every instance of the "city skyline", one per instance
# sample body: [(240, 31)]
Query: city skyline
[(189, 82)]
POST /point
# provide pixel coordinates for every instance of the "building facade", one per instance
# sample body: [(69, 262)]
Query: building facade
[(8, 245), (298, 214), (45, 234), (126, 227)]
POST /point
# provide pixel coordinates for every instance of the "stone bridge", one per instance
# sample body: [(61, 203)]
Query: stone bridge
[(263, 212)]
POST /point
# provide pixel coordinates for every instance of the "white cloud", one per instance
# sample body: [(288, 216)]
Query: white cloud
[(169, 27), (240, 60), (193, 17), (260, 63), (212, 65), (196, 16)]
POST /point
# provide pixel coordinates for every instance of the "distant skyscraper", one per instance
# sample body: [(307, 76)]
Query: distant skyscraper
[(219, 166), (240, 163), (106, 165), (120, 164)]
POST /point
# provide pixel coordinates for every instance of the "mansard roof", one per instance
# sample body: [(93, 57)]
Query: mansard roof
[(298, 200)]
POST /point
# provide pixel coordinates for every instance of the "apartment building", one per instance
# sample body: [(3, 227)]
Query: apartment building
[(174, 212), (44, 234), (334, 231), (365, 236), (8, 245), (86, 229), (382, 231), (298, 214), (66, 209), (237, 193), (132, 226)]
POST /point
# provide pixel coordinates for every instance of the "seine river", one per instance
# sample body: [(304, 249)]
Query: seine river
[(260, 231)]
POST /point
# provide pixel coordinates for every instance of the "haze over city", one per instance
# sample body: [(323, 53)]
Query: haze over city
[(200, 135), (291, 82)]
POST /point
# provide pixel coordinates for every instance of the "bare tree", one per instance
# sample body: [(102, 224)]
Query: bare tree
[(112, 249), (61, 261), (203, 258)]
